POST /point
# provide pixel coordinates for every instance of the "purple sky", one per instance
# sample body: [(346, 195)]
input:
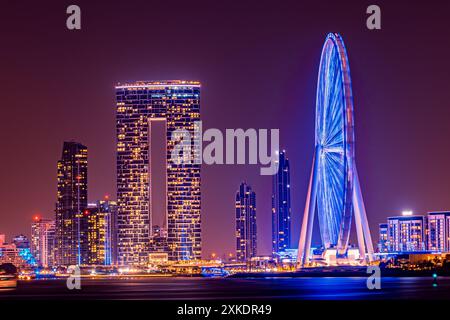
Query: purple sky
[(258, 65)]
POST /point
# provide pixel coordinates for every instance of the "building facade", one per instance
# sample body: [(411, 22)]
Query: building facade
[(10, 253), (71, 203), (21, 241), (383, 243), (281, 206), (246, 231), (158, 242), (439, 231), (138, 104), (407, 233), (99, 224), (43, 241)]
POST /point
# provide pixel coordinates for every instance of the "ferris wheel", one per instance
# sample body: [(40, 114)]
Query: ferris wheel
[(334, 191)]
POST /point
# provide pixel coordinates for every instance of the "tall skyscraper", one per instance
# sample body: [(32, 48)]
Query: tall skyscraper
[(245, 205), (439, 231), (407, 233), (383, 243), (138, 105), (43, 241), (281, 206), (71, 202)]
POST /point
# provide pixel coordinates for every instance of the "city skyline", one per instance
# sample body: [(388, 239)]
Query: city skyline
[(267, 82)]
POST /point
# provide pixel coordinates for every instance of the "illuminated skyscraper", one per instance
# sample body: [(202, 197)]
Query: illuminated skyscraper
[(281, 206), (439, 231), (138, 105), (99, 223), (407, 233), (71, 202), (109, 208), (43, 241), (245, 223)]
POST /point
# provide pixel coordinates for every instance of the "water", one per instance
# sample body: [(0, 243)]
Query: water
[(223, 289)]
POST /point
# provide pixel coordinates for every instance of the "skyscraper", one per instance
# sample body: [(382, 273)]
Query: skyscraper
[(245, 223), (138, 105), (281, 206), (71, 202), (43, 241), (109, 208), (99, 223), (439, 231), (406, 233)]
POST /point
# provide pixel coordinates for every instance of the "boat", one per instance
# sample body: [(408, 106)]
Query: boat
[(8, 281), (210, 272)]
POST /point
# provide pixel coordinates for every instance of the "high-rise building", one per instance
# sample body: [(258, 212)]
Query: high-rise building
[(407, 233), (99, 223), (109, 208), (138, 105), (281, 206), (245, 205), (71, 202), (383, 244), (43, 241), (439, 231)]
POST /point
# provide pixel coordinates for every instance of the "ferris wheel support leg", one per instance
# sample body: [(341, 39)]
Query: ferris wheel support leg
[(304, 245), (359, 228), (362, 225)]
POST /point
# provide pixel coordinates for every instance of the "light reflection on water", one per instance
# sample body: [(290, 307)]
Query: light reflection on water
[(330, 288)]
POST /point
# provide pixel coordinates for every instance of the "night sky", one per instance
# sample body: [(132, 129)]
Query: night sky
[(258, 63)]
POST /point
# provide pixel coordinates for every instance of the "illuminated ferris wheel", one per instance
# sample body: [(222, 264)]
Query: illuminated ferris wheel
[(334, 191)]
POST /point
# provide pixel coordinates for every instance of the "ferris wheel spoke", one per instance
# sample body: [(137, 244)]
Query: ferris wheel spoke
[(335, 135)]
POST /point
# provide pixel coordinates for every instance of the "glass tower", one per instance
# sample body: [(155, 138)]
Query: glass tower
[(71, 202), (43, 241), (245, 223), (138, 104), (99, 222), (281, 206)]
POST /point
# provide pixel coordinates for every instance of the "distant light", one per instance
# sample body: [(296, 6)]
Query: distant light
[(407, 213)]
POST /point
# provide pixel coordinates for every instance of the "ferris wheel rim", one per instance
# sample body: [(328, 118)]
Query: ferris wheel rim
[(334, 117)]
